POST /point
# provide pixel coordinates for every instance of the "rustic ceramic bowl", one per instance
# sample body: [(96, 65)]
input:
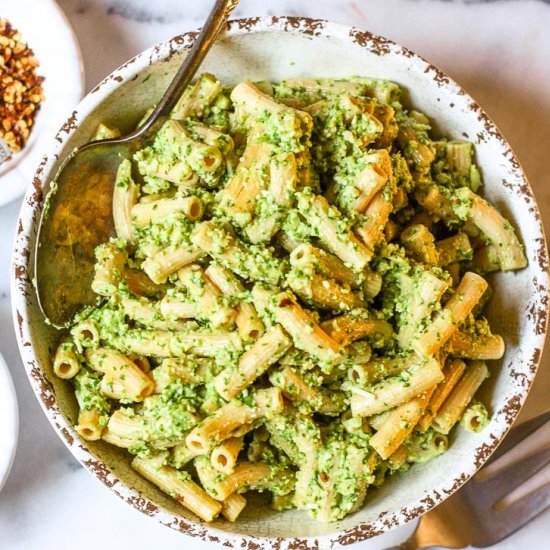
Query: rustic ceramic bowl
[(272, 49)]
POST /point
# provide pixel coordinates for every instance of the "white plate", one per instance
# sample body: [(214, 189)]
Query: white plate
[(9, 422), (47, 31)]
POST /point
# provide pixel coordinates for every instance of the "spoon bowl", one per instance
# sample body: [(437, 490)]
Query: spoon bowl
[(78, 217)]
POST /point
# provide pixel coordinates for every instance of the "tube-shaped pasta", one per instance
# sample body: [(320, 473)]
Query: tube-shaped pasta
[(176, 306), (179, 485), (240, 196), (160, 343), (248, 323), (454, 272), (372, 178), (295, 388), (175, 155), (223, 423), (245, 475), (476, 346), (282, 183), (197, 97), (399, 457), (188, 370), (326, 220), (424, 293), (232, 507), (436, 200), (398, 426), (486, 259), (233, 255), (452, 372), (148, 313), (423, 374), (391, 231), (497, 229), (314, 89), (461, 395), (168, 261), (109, 269), (66, 362), (349, 327), (306, 255), (323, 292), (181, 454), (207, 297), (288, 242), (206, 344), (139, 284), (125, 194), (210, 136), (454, 249), (141, 361), (124, 428), (360, 353), (94, 407), (384, 91), (156, 343), (90, 424), (306, 334), (377, 214), (419, 242), (295, 434), (475, 418), (374, 371), (144, 213), (458, 307), (250, 103), (253, 363), (276, 313), (119, 370), (224, 456)]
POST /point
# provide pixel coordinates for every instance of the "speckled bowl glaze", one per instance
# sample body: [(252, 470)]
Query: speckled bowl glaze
[(272, 49)]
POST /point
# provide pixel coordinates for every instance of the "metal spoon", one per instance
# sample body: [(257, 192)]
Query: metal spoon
[(77, 215)]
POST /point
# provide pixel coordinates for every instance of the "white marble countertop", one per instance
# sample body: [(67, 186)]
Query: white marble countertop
[(498, 50)]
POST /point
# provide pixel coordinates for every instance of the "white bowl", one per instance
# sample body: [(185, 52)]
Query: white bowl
[(272, 49), (47, 31), (9, 422)]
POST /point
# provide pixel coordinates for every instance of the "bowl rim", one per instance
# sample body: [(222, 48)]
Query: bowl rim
[(21, 285)]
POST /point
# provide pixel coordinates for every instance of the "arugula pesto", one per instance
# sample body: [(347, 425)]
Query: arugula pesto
[(300, 293)]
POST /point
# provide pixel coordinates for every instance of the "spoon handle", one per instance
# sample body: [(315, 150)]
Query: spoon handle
[(214, 24)]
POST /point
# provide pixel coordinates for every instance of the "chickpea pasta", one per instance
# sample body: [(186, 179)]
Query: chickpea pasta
[(293, 302)]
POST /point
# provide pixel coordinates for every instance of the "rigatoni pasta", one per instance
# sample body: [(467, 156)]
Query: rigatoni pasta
[(293, 302)]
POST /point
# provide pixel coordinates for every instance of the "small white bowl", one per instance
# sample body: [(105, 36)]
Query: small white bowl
[(48, 33), (275, 48), (9, 422)]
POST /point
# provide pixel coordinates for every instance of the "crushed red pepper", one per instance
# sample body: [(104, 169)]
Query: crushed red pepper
[(20, 87)]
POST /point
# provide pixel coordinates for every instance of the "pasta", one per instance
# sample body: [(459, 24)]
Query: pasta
[(293, 302)]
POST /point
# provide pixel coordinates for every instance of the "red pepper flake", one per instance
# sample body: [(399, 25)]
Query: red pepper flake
[(20, 87)]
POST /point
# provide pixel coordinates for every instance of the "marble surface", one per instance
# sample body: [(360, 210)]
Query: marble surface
[(498, 50)]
